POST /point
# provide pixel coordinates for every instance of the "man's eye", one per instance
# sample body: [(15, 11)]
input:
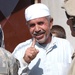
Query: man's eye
[(40, 23), (31, 25)]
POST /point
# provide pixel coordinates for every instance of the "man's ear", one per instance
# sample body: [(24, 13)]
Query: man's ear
[(51, 20), (51, 23)]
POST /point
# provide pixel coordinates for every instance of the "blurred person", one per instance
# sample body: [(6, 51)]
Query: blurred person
[(58, 31), (8, 64), (69, 6), (43, 54)]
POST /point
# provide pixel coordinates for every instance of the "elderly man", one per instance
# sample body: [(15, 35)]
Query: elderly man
[(43, 54)]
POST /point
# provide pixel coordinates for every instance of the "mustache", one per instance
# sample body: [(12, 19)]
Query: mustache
[(38, 32)]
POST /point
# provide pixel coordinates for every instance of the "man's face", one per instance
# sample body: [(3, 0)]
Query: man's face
[(40, 29), (71, 23)]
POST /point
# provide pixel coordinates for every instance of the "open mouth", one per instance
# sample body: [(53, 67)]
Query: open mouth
[(73, 27), (40, 36), (40, 32)]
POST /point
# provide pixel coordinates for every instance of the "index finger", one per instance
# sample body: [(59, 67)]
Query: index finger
[(33, 42)]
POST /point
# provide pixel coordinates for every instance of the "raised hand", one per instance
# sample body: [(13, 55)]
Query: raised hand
[(31, 52)]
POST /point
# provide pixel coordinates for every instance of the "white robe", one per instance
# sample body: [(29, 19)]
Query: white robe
[(54, 59)]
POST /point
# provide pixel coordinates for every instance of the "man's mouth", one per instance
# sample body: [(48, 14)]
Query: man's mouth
[(73, 27), (39, 35)]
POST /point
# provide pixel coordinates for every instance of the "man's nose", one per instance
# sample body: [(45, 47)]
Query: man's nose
[(37, 28)]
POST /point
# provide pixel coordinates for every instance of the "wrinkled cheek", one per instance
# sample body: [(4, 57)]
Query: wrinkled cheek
[(31, 32)]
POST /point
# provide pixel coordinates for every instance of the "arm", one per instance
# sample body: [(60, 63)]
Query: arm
[(25, 55)]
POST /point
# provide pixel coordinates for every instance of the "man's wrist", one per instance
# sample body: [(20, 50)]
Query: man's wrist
[(24, 62)]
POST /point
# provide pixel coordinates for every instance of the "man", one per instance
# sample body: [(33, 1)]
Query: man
[(69, 6), (43, 54), (8, 64)]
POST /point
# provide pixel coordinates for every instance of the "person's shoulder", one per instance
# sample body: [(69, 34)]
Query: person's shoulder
[(4, 50), (64, 43), (25, 43), (61, 40), (21, 46)]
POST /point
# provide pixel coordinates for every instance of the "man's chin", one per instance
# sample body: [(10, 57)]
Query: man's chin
[(40, 41)]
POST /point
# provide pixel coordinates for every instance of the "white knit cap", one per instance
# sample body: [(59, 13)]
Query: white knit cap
[(36, 11), (69, 6)]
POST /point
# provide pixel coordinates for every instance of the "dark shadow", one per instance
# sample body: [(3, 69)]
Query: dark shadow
[(36, 69), (1, 16)]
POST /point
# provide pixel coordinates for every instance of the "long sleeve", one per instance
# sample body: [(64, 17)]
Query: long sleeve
[(23, 70)]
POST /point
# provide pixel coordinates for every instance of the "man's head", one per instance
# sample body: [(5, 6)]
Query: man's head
[(39, 22), (36, 11), (69, 6)]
